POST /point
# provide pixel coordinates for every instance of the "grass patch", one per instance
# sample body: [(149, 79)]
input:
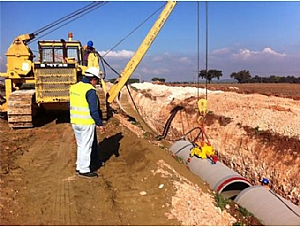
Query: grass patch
[(178, 159), (210, 112), (245, 212), (257, 130), (221, 201), (162, 147), (238, 223), (146, 135)]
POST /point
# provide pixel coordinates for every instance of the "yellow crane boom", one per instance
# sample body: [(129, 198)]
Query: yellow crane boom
[(140, 53)]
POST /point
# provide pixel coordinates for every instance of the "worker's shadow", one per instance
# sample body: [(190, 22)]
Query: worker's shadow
[(106, 149)]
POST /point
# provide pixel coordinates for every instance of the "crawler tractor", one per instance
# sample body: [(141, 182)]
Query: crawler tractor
[(60, 64), (43, 84)]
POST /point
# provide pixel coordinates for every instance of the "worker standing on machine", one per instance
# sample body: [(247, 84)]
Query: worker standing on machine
[(85, 117), (86, 52)]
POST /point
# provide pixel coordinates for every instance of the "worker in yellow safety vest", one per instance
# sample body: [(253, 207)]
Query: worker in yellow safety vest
[(85, 117)]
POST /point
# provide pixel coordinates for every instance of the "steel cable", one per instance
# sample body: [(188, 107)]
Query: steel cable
[(130, 33), (67, 19)]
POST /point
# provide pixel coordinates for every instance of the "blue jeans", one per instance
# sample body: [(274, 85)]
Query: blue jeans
[(85, 138)]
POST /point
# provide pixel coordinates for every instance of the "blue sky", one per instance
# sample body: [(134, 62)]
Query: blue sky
[(262, 37)]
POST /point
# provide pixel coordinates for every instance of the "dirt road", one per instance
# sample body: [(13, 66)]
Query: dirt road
[(141, 183), (46, 190), (39, 185)]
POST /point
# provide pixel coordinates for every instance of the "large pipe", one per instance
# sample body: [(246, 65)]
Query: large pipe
[(270, 208), (264, 204), (219, 177)]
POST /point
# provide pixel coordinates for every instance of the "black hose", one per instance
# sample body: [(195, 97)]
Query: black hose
[(168, 123)]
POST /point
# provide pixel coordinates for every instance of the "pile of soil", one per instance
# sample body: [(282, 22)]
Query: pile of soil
[(141, 183), (257, 135)]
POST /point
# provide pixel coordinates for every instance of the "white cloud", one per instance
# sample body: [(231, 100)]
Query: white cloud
[(221, 51), (161, 57), (120, 53), (158, 58), (268, 50), (153, 71), (258, 55), (264, 62), (185, 60), (168, 66)]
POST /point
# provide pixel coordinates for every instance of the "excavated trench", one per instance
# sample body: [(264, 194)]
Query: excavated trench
[(247, 150)]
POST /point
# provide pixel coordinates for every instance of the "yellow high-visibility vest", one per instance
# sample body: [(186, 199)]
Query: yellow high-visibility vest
[(79, 107)]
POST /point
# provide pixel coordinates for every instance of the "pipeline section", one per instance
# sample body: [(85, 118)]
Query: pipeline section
[(264, 204)]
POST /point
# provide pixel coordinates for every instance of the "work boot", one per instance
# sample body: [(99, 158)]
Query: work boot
[(95, 167), (88, 175)]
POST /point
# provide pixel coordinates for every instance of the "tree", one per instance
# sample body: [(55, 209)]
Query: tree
[(212, 73), (158, 79), (242, 76)]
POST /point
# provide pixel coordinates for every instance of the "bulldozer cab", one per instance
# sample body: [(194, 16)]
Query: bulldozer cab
[(60, 52), (57, 68)]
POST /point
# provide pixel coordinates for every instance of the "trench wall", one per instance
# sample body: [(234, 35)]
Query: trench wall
[(252, 152)]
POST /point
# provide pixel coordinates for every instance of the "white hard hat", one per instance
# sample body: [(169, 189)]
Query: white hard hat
[(92, 71)]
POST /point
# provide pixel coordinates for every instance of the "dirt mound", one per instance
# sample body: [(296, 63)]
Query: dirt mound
[(256, 135), (141, 183)]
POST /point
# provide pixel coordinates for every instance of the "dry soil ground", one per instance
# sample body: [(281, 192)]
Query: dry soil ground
[(141, 184), (255, 134)]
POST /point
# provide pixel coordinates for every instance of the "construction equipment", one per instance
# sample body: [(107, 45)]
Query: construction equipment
[(60, 64), (43, 84), (139, 54), (202, 147)]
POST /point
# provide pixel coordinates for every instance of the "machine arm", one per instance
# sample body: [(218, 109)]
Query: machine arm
[(138, 56)]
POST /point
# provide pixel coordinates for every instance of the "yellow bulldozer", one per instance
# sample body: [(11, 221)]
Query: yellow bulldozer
[(31, 85)]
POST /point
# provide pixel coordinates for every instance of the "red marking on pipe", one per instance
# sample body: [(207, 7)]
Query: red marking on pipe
[(221, 186)]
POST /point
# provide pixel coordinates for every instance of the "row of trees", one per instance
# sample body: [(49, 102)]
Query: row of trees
[(130, 81), (244, 76), (156, 79)]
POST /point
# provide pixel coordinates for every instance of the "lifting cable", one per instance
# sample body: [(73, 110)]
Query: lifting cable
[(202, 103), (206, 54), (134, 30), (177, 108), (102, 59), (135, 106), (198, 49), (68, 19), (130, 33)]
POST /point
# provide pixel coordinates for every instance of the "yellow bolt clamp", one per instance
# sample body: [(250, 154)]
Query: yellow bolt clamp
[(202, 106)]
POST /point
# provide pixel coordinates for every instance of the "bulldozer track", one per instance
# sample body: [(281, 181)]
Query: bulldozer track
[(21, 109)]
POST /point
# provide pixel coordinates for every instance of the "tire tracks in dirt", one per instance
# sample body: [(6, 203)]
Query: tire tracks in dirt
[(50, 193), (53, 194)]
